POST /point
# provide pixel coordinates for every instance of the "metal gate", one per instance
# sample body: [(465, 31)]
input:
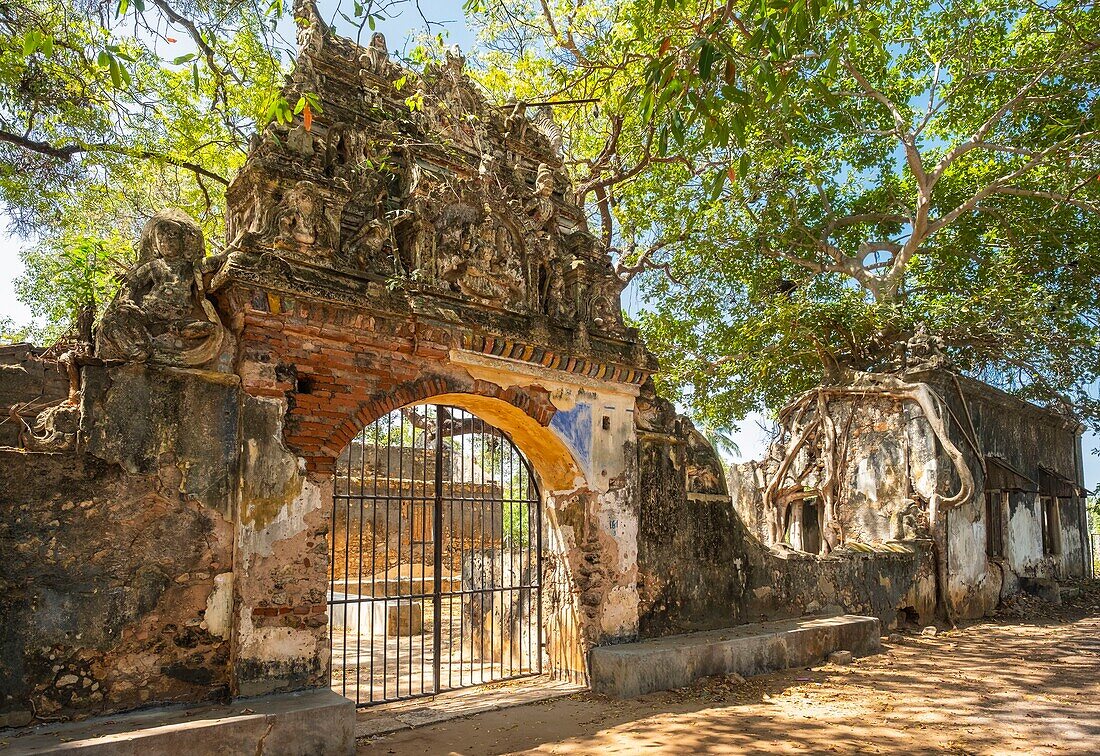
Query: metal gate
[(436, 558)]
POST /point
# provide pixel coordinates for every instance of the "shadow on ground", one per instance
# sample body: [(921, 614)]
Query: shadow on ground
[(988, 688)]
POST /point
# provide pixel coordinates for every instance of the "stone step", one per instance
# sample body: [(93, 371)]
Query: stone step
[(632, 669), (288, 724)]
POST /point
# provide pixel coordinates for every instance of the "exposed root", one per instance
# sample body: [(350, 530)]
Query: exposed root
[(808, 443)]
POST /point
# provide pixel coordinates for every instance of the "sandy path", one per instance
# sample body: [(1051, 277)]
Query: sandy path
[(990, 688)]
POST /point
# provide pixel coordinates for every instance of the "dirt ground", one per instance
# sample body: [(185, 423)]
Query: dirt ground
[(1009, 685)]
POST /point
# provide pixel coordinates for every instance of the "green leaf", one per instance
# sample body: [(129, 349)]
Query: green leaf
[(32, 41), (707, 56), (116, 76), (183, 59)]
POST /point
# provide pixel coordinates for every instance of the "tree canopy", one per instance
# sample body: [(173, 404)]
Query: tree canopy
[(111, 110), (795, 185), (801, 184)]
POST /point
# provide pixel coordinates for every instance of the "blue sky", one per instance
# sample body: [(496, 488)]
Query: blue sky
[(752, 435)]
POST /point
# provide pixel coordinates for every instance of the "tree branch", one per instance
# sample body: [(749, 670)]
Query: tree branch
[(982, 131), (66, 153)]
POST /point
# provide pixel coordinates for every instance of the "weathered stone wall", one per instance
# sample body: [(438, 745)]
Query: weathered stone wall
[(115, 587), (1030, 439), (29, 381), (701, 566)]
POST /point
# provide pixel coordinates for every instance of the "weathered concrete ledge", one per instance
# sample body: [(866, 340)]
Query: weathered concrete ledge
[(290, 724), (632, 669)]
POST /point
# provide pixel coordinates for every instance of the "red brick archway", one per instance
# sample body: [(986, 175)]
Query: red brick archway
[(340, 369), (534, 401)]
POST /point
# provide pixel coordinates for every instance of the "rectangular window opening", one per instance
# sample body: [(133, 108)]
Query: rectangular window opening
[(995, 502), (1052, 530)]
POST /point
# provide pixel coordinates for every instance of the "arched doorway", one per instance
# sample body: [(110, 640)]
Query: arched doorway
[(436, 557)]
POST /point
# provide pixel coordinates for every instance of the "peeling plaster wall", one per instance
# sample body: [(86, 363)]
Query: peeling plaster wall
[(282, 562), (1074, 531), (1026, 438), (1024, 538)]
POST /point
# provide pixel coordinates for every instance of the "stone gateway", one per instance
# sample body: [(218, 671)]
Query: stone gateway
[(168, 527)]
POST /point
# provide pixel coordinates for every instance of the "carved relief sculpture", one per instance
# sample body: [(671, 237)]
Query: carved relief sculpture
[(461, 198), (161, 313), (363, 246), (301, 219)]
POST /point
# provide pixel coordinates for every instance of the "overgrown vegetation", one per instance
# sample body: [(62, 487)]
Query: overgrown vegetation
[(801, 184), (113, 109)]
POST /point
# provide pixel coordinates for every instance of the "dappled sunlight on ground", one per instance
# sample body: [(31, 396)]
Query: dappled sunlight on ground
[(988, 688)]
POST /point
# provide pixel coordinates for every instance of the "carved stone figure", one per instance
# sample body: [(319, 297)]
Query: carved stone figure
[(311, 28), (924, 351), (364, 249), (486, 169), (702, 467), (453, 89), (605, 308), (516, 123), (345, 155), (161, 313), (540, 209), (551, 288), (377, 57), (301, 219), (364, 229), (453, 62)]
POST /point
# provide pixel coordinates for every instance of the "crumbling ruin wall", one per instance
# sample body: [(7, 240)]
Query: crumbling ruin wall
[(115, 590), (1044, 449), (701, 566), (887, 458), (891, 464)]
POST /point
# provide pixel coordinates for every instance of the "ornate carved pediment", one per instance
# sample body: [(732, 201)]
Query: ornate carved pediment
[(417, 181)]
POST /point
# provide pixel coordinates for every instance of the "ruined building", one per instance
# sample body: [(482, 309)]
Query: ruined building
[(398, 439), (991, 482)]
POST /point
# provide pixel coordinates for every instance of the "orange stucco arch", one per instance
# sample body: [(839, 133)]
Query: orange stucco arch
[(551, 460)]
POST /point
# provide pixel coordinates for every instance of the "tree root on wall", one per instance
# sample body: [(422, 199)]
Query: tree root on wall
[(808, 443)]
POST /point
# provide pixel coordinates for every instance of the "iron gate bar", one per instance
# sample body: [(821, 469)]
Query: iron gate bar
[(437, 560), (496, 549)]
